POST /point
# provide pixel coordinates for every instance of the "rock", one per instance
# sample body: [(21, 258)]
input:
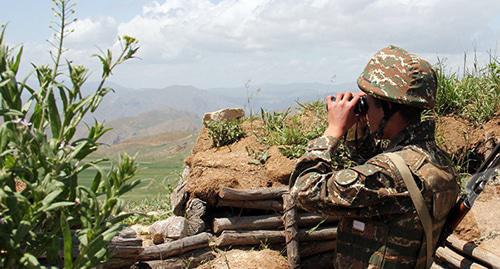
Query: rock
[(179, 196), (196, 208), (174, 227), (196, 226), (127, 233), (140, 229), (224, 114)]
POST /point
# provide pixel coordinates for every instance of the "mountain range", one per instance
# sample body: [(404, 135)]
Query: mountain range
[(136, 113)]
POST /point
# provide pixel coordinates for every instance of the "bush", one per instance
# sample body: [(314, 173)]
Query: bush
[(51, 214), (224, 132), (287, 132), (475, 96)]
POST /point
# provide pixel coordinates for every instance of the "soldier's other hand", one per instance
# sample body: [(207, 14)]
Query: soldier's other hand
[(341, 114)]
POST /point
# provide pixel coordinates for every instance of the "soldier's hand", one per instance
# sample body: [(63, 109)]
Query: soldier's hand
[(341, 114)]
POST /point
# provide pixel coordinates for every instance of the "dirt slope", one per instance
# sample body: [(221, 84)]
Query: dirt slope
[(233, 166)]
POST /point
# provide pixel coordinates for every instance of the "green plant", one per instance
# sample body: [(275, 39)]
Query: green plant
[(52, 214), (287, 132), (257, 156), (142, 209), (224, 132), (474, 96)]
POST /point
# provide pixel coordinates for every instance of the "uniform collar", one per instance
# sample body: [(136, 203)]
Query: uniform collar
[(414, 134)]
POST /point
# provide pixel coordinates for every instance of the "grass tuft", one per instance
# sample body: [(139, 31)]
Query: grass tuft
[(224, 133), (475, 96)]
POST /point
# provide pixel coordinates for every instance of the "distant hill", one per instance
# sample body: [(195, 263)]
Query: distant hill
[(279, 96), (139, 115), (125, 102), (151, 123), (152, 148)]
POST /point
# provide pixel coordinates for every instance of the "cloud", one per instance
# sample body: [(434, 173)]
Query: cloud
[(92, 32), (187, 28), (226, 42)]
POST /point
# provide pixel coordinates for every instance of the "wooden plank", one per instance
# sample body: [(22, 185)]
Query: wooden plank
[(252, 194), (456, 260), (473, 251), (327, 233), (261, 204), (120, 241), (263, 222), (185, 261), (239, 238), (177, 247), (308, 249), (290, 220)]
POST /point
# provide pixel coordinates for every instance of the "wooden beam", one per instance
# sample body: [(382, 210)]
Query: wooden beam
[(263, 222), (290, 221), (261, 204), (237, 238), (177, 247), (188, 260), (308, 249), (447, 255), (473, 251), (252, 194)]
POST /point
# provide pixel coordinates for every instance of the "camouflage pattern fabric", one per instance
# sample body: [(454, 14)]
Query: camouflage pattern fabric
[(395, 75), (379, 227)]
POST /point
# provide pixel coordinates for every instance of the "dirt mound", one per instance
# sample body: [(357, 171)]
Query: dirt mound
[(469, 145), (482, 223), (253, 259), (459, 137), (234, 165)]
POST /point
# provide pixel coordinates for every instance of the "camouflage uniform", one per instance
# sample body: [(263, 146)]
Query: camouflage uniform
[(379, 226)]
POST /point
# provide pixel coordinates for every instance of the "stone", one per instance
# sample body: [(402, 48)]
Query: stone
[(179, 196), (127, 233), (195, 226), (174, 227), (195, 210), (140, 229), (224, 114)]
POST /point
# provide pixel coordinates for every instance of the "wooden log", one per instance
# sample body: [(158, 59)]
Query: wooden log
[(263, 222), (188, 260), (290, 220), (120, 241), (252, 194), (125, 252), (447, 255), (261, 204), (236, 238), (327, 233), (313, 248), (176, 247), (473, 251)]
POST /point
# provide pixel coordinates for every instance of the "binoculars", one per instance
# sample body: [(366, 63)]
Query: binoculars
[(361, 106)]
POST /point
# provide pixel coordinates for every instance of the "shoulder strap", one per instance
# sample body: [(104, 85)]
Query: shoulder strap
[(418, 201)]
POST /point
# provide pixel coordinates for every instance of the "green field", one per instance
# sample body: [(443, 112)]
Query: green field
[(157, 175)]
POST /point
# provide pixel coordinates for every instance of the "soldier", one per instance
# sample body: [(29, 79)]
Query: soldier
[(393, 206)]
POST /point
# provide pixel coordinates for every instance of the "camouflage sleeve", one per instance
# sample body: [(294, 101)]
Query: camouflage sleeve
[(371, 189), (360, 144)]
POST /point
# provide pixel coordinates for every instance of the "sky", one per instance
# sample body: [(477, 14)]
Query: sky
[(225, 43)]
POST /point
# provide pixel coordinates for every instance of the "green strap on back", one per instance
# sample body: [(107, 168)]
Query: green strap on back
[(418, 201)]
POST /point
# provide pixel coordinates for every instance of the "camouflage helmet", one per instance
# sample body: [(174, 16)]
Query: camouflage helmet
[(397, 76)]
